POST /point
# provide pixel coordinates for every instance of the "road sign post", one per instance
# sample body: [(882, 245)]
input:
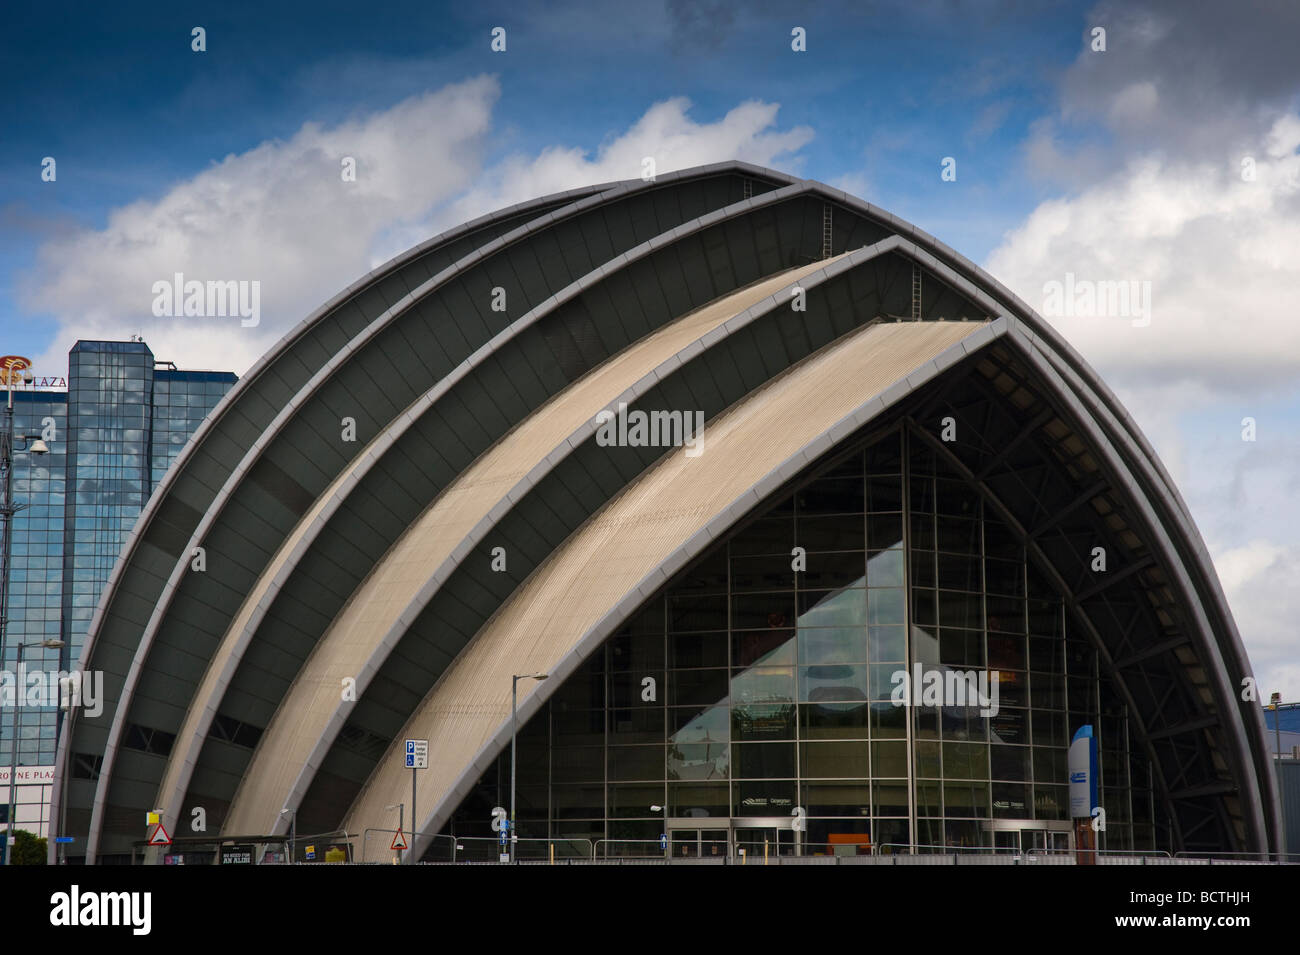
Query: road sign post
[(417, 757)]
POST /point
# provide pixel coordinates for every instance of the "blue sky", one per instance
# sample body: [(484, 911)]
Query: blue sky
[(1116, 164), (127, 109)]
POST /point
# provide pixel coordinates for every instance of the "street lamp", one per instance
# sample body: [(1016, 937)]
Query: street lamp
[(13, 748), (401, 821), (7, 511), (664, 810), (293, 829), (514, 736)]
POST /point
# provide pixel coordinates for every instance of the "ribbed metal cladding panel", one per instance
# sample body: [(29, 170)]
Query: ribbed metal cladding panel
[(343, 649), (600, 564), (499, 394)]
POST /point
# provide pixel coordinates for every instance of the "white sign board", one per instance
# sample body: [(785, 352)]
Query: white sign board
[(417, 754)]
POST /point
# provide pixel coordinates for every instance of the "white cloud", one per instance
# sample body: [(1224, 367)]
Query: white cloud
[(282, 215), (1259, 580), (279, 214), (1217, 251), (665, 134)]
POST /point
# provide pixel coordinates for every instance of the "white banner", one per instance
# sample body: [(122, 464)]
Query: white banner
[(29, 775)]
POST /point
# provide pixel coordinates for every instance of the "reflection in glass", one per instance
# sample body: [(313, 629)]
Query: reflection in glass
[(837, 608), (885, 568), (698, 761), (763, 721), (834, 645), (833, 682), (763, 685)]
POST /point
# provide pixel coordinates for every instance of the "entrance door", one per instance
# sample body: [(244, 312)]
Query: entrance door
[(1044, 840), (764, 841), (1018, 836), (1006, 842), (699, 843)]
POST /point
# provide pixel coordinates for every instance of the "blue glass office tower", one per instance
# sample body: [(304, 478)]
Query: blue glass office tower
[(111, 436)]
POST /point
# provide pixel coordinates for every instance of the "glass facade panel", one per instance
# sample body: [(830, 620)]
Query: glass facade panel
[(111, 437), (901, 691)]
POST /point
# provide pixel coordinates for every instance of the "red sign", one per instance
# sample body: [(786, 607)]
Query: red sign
[(160, 837), (399, 841), (12, 368)]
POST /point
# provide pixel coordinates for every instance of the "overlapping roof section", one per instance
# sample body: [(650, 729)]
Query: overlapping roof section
[(349, 586)]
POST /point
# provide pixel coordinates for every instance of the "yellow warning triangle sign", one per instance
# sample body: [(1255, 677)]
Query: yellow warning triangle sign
[(399, 841), (160, 837)]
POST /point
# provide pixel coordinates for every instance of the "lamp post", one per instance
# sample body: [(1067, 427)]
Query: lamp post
[(7, 511), (293, 829), (401, 821), (1276, 706), (13, 749), (664, 837), (514, 738)]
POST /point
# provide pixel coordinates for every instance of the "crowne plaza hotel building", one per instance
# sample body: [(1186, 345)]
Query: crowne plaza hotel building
[(112, 427), (903, 469)]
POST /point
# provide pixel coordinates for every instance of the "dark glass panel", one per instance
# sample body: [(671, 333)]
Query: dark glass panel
[(694, 650), (834, 571), (764, 797), (771, 572), (849, 797), (820, 534), (833, 721), (699, 687), (768, 611), (688, 613), (631, 763), (763, 721), (749, 647), (830, 495), (766, 536), (884, 531), (960, 572), (698, 799), (1009, 762)]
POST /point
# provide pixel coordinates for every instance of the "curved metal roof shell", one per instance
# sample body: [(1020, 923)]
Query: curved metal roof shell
[(674, 294)]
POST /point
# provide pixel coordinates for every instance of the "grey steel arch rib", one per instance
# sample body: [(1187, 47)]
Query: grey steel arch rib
[(316, 382), (771, 309)]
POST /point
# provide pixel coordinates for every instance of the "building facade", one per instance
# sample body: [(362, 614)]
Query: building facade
[(824, 540), (113, 427)]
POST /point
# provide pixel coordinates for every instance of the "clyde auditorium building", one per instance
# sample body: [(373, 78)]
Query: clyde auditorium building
[(726, 455)]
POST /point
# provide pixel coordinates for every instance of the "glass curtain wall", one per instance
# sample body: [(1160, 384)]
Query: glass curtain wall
[(769, 678)]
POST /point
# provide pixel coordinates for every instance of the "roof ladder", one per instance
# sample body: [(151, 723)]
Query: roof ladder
[(826, 231), (749, 188), (916, 293)]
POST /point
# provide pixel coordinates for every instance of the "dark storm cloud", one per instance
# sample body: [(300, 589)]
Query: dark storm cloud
[(1198, 75)]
